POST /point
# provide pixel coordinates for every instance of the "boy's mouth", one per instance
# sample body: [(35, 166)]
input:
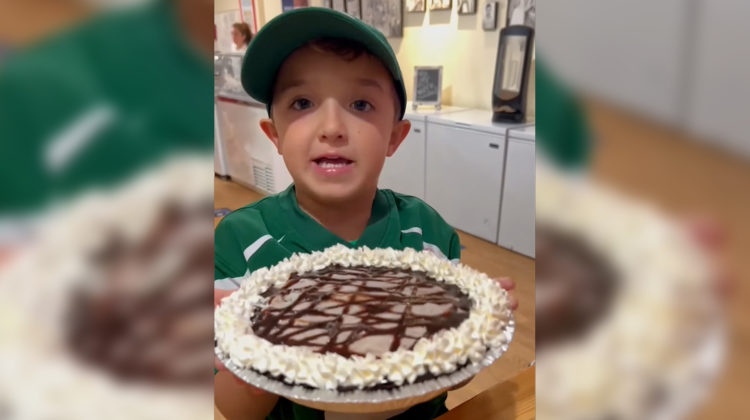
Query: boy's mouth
[(332, 162), (332, 165)]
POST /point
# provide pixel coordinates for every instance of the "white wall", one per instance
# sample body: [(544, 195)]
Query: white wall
[(719, 86), (227, 5), (630, 52)]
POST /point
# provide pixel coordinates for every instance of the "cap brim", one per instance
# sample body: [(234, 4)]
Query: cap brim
[(293, 29)]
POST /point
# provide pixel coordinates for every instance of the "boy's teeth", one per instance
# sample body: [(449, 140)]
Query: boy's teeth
[(327, 165)]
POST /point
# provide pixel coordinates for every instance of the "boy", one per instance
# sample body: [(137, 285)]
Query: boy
[(336, 99)]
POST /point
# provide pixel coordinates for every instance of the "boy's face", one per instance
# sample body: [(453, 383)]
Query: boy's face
[(334, 122), (237, 37)]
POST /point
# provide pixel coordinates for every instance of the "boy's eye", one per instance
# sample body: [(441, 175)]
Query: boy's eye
[(301, 103), (362, 105)]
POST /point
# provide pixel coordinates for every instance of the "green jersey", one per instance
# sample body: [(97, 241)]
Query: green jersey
[(266, 232), (94, 105), (563, 131)]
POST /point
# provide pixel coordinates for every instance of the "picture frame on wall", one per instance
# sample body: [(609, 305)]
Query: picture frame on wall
[(385, 16), (489, 16), (287, 5), (339, 5), (428, 86), (440, 4), (521, 12), (416, 6), (354, 8), (466, 7)]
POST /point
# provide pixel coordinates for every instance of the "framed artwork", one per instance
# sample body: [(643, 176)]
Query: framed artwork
[(428, 85), (466, 7), (384, 15), (287, 5), (354, 8), (440, 4), (521, 12), (489, 16), (416, 6), (413, 6), (339, 5)]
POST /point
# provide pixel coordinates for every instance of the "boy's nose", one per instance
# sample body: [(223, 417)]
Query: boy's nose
[(331, 122)]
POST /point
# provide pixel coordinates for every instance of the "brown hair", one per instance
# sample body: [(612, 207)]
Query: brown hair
[(348, 50), (244, 29)]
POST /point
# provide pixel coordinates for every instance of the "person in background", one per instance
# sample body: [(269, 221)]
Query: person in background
[(241, 36)]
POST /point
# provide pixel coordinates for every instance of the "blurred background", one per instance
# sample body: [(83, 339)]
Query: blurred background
[(662, 88), (105, 203), (656, 94)]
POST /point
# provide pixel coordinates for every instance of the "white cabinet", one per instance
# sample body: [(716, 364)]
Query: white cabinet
[(720, 84), (404, 171), (629, 52), (464, 170), (251, 158), (517, 214)]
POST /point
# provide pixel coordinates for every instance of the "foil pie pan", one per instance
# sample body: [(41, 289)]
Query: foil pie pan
[(363, 400)]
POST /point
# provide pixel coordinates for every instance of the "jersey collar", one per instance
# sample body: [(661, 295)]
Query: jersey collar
[(317, 237)]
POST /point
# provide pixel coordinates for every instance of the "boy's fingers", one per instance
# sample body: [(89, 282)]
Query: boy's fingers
[(706, 232), (220, 294), (711, 237), (506, 283), (218, 365), (513, 302)]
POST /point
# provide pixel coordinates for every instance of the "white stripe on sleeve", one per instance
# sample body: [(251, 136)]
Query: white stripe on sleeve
[(255, 246)]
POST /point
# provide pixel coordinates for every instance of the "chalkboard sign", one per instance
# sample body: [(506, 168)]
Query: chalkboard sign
[(428, 83)]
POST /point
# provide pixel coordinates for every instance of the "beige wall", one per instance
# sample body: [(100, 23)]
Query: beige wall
[(226, 5), (457, 42)]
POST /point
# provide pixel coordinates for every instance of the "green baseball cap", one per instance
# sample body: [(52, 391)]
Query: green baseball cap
[(285, 33)]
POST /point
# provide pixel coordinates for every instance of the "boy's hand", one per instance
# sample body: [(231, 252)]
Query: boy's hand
[(508, 284), (218, 296), (711, 238)]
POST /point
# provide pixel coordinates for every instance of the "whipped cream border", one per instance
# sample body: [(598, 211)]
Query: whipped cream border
[(56, 384), (663, 285), (442, 353)]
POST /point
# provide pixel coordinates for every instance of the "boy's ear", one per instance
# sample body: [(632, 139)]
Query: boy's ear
[(398, 134), (266, 124)]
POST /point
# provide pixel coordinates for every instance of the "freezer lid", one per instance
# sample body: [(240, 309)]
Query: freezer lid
[(475, 119), (527, 132), (423, 111)]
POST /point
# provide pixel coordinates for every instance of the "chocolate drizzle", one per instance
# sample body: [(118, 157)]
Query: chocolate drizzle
[(575, 286), (350, 310), (145, 325)]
